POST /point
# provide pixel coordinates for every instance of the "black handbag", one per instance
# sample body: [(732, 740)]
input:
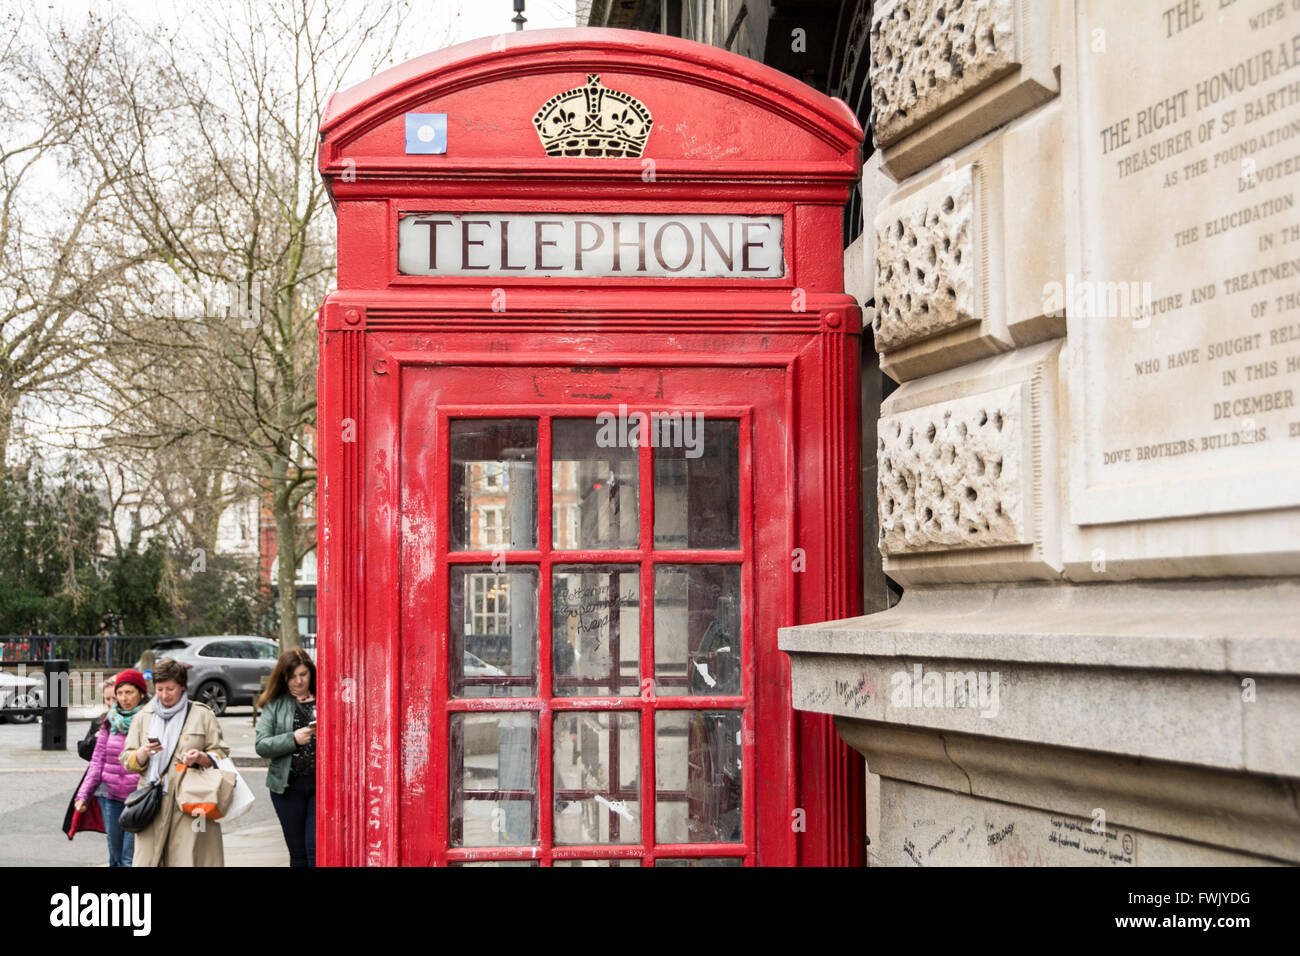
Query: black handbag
[(143, 805)]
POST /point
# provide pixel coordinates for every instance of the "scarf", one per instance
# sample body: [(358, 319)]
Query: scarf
[(167, 728), (119, 719)]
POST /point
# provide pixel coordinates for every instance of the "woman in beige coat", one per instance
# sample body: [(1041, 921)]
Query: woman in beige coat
[(172, 729)]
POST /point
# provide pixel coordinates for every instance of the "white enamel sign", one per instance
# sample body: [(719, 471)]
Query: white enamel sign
[(590, 246)]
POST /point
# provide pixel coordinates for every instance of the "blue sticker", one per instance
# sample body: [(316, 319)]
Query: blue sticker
[(426, 133), (148, 675)]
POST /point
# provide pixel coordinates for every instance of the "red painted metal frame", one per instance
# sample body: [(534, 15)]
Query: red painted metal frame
[(647, 557), (786, 150)]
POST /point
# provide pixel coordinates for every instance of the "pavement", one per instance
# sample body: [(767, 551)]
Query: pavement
[(36, 785)]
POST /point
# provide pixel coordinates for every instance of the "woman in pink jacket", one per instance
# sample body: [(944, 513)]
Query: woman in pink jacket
[(107, 779)]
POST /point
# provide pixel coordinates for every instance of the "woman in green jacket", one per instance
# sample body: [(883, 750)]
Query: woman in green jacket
[(286, 734)]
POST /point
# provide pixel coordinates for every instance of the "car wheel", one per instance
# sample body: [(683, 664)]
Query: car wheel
[(32, 701), (213, 693)]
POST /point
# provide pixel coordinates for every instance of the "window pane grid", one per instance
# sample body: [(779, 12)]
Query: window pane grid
[(630, 690), (631, 556), (664, 852), (465, 705)]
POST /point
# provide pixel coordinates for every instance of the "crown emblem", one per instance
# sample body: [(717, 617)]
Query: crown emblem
[(593, 120)]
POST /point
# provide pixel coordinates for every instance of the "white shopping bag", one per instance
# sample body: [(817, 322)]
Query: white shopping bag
[(243, 798)]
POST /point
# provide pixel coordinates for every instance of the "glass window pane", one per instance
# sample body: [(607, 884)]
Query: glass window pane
[(594, 482), (493, 632), (497, 863), (597, 769), (493, 779), (697, 486), (703, 861), (697, 776), (493, 484), (596, 630), (697, 629), (596, 863)]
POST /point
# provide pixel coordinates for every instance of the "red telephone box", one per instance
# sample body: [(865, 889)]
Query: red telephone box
[(588, 436)]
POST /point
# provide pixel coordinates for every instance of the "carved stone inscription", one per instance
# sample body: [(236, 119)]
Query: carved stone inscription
[(952, 475), (1187, 314)]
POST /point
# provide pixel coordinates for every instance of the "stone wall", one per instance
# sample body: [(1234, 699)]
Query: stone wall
[(1082, 250)]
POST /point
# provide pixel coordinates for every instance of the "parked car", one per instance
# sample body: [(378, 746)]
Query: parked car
[(225, 671), (18, 691), (477, 667)]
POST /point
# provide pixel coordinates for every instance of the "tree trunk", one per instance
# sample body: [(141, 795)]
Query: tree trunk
[(6, 426), (286, 542)]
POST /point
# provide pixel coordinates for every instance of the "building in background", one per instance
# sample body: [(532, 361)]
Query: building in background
[(246, 530)]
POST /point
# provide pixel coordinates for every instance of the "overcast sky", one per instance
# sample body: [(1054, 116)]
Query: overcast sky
[(481, 18), (465, 19)]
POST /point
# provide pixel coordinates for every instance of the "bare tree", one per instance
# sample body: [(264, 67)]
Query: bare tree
[(216, 178), (61, 254)]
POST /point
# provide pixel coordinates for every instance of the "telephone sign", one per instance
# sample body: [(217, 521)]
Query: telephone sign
[(592, 246)]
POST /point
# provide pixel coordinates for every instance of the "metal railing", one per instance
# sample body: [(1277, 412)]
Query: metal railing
[(80, 651), (111, 652)]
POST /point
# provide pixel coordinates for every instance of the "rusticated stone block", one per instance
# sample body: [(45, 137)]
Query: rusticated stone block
[(926, 275), (928, 55), (951, 475)]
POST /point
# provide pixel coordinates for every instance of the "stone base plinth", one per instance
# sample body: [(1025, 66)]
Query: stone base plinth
[(1119, 725)]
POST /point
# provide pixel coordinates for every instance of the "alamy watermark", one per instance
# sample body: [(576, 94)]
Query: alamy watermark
[(37, 688), (235, 300), (655, 429), (1091, 299), (922, 688), (130, 910)]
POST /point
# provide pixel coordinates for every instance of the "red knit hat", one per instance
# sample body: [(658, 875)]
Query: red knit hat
[(131, 676)]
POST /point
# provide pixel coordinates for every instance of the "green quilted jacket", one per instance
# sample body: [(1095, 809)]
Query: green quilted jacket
[(274, 740)]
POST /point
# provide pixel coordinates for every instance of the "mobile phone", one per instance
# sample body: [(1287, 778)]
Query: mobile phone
[(155, 741)]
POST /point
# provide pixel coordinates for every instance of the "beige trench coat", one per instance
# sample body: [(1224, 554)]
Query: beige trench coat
[(174, 839)]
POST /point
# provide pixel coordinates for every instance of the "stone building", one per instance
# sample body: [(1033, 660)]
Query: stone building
[(1077, 237)]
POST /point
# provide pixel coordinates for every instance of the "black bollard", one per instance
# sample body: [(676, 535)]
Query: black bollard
[(54, 716)]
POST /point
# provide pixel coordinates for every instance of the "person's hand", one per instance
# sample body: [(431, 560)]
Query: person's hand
[(303, 735), (144, 753), (81, 806), (196, 758)]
